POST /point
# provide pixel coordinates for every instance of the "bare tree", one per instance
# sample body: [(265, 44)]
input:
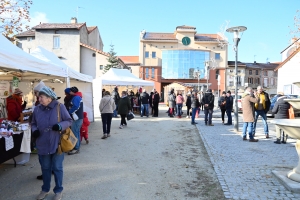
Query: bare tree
[(13, 16), (295, 30)]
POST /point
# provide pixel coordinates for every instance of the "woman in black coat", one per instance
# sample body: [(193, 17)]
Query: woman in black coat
[(188, 104), (281, 110)]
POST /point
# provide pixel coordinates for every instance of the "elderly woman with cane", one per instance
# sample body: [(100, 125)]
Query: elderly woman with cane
[(46, 128)]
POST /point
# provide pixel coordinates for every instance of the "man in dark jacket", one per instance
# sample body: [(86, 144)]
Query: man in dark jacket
[(228, 107), (144, 103), (208, 101), (115, 95), (195, 106), (280, 110), (261, 109), (155, 102)]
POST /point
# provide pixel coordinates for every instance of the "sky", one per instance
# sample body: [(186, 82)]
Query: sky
[(120, 22)]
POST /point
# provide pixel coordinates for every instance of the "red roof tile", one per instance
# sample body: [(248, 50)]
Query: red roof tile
[(94, 49), (130, 59), (159, 36), (59, 26), (288, 58), (29, 33), (91, 28)]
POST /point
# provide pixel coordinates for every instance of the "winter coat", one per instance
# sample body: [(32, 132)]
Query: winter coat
[(267, 102), (155, 98), (144, 98), (44, 117), (107, 105), (179, 99), (85, 123), (14, 108), (209, 99), (281, 108), (188, 102), (248, 107), (171, 100), (124, 106), (115, 95), (221, 102), (229, 102), (151, 99), (194, 102)]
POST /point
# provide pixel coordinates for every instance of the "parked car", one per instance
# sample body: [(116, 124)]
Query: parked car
[(273, 101), (239, 102)]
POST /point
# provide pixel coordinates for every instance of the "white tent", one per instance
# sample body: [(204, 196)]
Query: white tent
[(115, 77), (29, 69)]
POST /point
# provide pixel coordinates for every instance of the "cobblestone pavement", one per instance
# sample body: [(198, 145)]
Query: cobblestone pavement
[(244, 168)]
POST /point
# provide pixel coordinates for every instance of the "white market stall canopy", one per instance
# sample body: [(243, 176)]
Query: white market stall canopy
[(122, 77)]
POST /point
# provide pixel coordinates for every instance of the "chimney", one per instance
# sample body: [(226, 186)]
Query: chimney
[(73, 20)]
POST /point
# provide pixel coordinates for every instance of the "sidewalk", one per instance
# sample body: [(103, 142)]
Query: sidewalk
[(244, 169)]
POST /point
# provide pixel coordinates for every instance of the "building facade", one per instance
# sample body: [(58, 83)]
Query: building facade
[(79, 46), (183, 56)]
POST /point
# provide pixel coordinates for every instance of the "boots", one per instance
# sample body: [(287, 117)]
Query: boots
[(104, 136), (277, 141)]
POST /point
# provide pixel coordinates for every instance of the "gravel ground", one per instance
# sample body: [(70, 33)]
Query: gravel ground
[(152, 158)]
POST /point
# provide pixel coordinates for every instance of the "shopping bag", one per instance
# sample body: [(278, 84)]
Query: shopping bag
[(130, 116), (291, 112)]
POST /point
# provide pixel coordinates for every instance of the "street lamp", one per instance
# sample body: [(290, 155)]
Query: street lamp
[(197, 74), (207, 72), (236, 39)]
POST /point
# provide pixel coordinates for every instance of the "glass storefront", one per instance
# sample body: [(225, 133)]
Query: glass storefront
[(181, 64)]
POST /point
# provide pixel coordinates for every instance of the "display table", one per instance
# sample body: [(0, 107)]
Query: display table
[(12, 153)]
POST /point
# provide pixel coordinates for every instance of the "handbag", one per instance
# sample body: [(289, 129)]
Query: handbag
[(130, 116), (105, 105), (67, 139), (291, 112)]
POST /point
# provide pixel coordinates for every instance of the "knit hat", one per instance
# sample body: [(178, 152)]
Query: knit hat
[(74, 89), (48, 92), (67, 90), (18, 91), (39, 86)]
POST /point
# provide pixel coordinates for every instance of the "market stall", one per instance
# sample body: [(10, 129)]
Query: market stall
[(119, 77)]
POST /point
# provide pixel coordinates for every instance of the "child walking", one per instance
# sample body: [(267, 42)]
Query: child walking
[(84, 130)]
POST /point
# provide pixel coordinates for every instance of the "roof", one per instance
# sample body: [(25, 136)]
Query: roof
[(290, 45), (94, 49), (287, 59), (130, 59), (255, 65), (185, 27), (159, 36), (91, 28), (208, 37), (29, 33), (59, 26)]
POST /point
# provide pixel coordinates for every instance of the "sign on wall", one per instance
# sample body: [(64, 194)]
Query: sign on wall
[(4, 89), (15, 82)]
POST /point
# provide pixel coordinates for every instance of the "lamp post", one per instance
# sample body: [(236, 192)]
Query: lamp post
[(197, 74), (236, 39), (219, 81), (207, 73)]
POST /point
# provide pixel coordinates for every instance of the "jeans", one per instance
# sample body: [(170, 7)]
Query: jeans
[(229, 116), (248, 125), (194, 110), (116, 111), (76, 125), (144, 110), (49, 163), (123, 119), (208, 115), (106, 122), (179, 109), (264, 119)]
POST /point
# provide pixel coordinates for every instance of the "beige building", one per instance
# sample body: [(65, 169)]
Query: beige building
[(181, 55), (79, 46)]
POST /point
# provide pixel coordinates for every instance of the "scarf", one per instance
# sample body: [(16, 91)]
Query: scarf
[(261, 101)]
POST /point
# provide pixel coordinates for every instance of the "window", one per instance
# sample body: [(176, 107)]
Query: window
[(56, 42), (29, 39), (265, 73), (250, 72), (147, 72), (217, 56), (146, 54), (152, 73), (230, 83), (239, 71), (266, 82), (239, 82), (153, 54), (258, 81), (272, 82), (230, 70), (256, 72), (101, 67), (217, 73), (250, 80)]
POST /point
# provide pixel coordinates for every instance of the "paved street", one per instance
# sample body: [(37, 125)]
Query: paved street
[(244, 169)]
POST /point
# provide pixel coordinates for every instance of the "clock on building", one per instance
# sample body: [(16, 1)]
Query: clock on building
[(186, 41)]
